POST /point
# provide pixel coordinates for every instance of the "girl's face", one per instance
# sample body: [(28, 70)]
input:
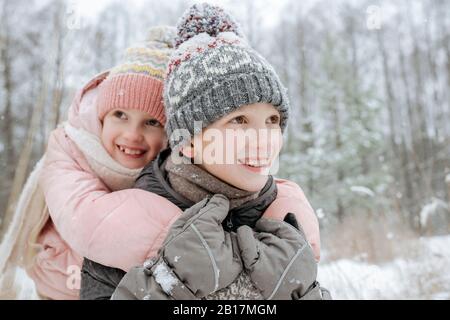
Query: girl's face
[(241, 147), (132, 137)]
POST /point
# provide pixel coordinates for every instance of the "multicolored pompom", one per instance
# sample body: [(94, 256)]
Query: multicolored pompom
[(205, 18)]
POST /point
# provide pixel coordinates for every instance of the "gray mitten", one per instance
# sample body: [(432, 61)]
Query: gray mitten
[(153, 281), (278, 258), (315, 292), (197, 257)]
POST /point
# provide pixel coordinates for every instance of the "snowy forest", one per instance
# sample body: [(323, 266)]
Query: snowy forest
[(368, 142)]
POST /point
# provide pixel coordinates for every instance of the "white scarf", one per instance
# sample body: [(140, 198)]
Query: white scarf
[(112, 173)]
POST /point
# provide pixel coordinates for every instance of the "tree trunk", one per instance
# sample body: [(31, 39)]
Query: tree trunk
[(427, 144), (8, 117), (390, 99), (338, 145), (403, 172), (408, 122), (21, 170), (58, 86), (305, 115)]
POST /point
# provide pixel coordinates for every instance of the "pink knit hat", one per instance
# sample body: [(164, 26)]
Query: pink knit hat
[(138, 82)]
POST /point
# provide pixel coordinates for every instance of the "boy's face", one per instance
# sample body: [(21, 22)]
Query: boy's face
[(241, 147), (132, 137)]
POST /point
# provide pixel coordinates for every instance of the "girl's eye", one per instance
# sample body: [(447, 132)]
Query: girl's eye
[(120, 115), (238, 120), (274, 119), (153, 123)]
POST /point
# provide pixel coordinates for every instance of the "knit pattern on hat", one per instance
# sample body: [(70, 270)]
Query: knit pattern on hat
[(213, 71), (150, 57), (138, 81)]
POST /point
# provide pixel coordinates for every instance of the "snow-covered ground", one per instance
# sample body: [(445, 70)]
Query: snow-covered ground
[(423, 274)]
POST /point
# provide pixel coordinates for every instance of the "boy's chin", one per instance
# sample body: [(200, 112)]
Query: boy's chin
[(252, 185)]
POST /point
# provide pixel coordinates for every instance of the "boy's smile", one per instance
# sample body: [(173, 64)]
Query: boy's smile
[(256, 166)]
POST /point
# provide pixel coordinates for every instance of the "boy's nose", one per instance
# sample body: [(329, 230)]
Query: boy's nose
[(265, 144)]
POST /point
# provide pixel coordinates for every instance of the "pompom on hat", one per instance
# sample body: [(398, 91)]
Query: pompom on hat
[(204, 18), (213, 71), (137, 83)]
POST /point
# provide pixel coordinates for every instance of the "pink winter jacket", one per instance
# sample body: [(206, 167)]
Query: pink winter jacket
[(120, 229)]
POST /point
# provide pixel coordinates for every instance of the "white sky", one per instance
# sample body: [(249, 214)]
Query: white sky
[(90, 9), (268, 8)]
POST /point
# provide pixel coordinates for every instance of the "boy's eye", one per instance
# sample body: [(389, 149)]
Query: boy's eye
[(238, 120), (120, 115), (153, 123), (274, 119)]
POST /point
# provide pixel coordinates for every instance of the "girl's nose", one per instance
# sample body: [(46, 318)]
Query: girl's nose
[(133, 135)]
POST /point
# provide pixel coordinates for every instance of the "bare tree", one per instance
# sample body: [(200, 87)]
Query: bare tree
[(8, 85), (21, 170)]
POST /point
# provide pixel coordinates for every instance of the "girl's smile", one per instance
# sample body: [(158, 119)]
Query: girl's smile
[(132, 151)]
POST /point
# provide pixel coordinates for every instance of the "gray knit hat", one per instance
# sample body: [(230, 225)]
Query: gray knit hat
[(213, 72)]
